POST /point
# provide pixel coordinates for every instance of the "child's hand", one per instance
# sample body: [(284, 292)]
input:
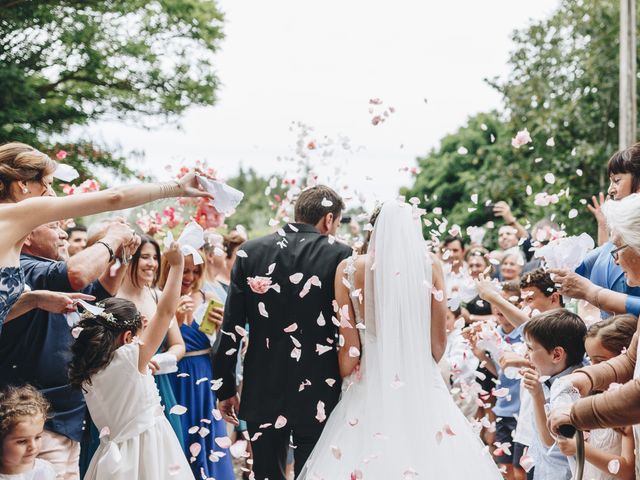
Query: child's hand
[(174, 255), (567, 446), (531, 379), (511, 359), (153, 366)]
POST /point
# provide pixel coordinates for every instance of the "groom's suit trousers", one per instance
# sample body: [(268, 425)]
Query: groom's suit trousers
[(270, 449)]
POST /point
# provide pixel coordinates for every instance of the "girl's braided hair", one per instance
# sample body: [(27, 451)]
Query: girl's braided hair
[(19, 402)]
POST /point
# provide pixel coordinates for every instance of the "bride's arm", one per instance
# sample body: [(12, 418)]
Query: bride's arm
[(347, 358), (438, 312), (19, 219)]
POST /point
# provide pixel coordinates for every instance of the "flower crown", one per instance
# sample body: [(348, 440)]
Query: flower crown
[(109, 319)]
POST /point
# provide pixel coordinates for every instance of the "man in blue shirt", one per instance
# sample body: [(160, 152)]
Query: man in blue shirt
[(35, 347)]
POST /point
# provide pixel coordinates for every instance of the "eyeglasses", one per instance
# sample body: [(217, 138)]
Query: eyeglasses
[(615, 253)]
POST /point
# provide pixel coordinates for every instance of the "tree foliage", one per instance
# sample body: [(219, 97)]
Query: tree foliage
[(563, 87), (256, 208), (68, 62)]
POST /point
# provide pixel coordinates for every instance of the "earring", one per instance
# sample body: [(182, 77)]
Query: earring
[(25, 190)]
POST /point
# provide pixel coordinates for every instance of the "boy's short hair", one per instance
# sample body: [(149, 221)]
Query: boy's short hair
[(559, 328), (541, 279), (512, 287)]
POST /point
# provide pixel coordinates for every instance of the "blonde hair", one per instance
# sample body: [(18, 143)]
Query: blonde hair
[(21, 162), (19, 402), (164, 273)]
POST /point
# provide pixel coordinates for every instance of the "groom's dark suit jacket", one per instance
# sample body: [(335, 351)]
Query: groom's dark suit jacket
[(275, 383)]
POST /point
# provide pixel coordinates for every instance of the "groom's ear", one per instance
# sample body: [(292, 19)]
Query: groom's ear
[(325, 223)]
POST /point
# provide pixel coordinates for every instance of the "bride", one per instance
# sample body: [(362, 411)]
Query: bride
[(396, 418)]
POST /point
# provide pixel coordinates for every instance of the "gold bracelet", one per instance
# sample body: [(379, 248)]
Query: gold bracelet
[(170, 189)]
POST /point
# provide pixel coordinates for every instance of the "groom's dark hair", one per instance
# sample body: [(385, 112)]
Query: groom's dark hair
[(313, 204)]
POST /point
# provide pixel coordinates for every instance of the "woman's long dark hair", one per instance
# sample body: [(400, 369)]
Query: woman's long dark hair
[(97, 342), (135, 260)]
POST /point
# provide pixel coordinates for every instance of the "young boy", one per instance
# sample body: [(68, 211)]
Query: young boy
[(555, 347), (507, 406)]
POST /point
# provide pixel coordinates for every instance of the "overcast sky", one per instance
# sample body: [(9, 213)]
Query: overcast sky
[(319, 62)]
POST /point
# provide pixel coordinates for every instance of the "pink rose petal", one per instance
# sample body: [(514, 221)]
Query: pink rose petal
[(281, 421)]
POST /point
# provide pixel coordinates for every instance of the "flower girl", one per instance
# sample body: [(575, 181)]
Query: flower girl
[(109, 362)]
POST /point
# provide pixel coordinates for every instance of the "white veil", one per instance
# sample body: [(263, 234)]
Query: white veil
[(399, 421), (397, 351)]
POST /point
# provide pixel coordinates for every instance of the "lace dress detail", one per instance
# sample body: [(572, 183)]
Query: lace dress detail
[(608, 440), (11, 287), (354, 294)]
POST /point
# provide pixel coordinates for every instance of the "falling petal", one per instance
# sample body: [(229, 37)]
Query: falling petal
[(321, 416), (281, 421), (178, 410), (223, 442), (296, 278), (195, 449)]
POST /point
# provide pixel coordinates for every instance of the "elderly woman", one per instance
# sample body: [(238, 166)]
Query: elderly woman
[(598, 279), (620, 407)]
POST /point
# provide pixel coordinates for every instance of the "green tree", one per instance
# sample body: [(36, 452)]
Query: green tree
[(563, 87), (68, 62), (256, 207)]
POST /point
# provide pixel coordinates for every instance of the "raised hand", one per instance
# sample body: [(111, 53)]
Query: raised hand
[(191, 187), (531, 379), (502, 209), (572, 284), (596, 208), (174, 255)]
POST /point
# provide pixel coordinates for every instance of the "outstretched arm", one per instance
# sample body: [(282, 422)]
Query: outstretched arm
[(19, 219), (55, 302), (153, 336), (489, 293)]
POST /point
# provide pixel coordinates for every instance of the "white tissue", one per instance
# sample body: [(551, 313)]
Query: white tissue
[(191, 239), (167, 362), (65, 172), (225, 198), (566, 253)]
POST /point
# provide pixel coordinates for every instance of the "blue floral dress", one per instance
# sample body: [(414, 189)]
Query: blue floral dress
[(11, 287)]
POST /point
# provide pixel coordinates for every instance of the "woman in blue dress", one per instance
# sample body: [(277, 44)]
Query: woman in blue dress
[(28, 201), (140, 286), (204, 431)]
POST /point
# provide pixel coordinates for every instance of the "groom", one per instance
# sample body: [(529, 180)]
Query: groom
[(282, 286)]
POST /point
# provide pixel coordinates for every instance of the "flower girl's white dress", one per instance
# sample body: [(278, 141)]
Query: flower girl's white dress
[(136, 440)]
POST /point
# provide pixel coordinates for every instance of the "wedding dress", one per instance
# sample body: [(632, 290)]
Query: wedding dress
[(396, 418)]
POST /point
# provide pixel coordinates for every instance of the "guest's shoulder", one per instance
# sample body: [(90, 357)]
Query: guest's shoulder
[(257, 243)]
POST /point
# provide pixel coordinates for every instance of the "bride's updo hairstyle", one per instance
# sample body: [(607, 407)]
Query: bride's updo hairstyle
[(21, 162), (97, 340)]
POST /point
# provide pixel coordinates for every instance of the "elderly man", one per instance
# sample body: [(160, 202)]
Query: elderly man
[(35, 347)]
